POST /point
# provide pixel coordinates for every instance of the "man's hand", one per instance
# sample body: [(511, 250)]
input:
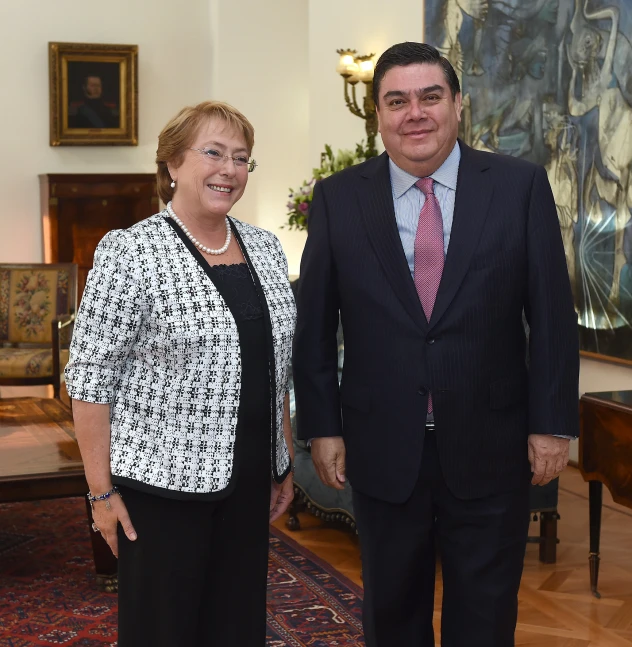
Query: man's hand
[(548, 456), (328, 455)]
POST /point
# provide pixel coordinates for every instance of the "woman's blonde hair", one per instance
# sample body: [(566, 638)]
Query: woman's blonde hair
[(178, 135)]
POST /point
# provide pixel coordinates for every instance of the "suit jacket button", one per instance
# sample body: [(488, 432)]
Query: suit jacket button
[(430, 341), (423, 390)]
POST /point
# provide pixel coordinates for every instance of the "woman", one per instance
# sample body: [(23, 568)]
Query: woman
[(178, 372)]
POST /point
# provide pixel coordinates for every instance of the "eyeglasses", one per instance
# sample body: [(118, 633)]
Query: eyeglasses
[(240, 161)]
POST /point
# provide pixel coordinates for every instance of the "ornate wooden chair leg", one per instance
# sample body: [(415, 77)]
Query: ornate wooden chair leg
[(548, 537), (595, 499), (56, 366)]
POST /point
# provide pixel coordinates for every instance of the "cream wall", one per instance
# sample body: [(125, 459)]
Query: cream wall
[(187, 53), (279, 58), (259, 64), (369, 27), (174, 51), (603, 376)]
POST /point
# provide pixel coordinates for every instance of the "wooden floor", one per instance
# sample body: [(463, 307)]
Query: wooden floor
[(556, 607)]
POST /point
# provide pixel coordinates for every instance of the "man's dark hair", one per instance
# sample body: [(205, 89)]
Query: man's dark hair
[(404, 54)]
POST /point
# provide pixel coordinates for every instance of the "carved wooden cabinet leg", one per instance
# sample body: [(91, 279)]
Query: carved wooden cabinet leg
[(548, 537), (105, 563), (595, 498)]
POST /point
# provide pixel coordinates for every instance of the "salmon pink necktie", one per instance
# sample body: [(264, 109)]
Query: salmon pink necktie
[(429, 255)]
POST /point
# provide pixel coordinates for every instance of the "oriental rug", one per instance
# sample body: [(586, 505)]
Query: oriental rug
[(48, 594)]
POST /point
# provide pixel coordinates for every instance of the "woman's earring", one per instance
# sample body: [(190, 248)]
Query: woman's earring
[(173, 184)]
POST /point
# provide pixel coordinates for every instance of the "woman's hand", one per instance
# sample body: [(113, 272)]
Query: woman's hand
[(281, 497), (106, 519), (282, 493), (92, 428)]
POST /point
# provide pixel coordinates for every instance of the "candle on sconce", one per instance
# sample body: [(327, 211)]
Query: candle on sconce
[(366, 71), (353, 69), (345, 62), (346, 59)]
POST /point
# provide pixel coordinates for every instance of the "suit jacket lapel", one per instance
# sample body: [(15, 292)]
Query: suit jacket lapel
[(473, 194), (378, 215)]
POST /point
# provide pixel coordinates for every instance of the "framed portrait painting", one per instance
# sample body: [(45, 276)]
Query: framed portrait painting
[(93, 94)]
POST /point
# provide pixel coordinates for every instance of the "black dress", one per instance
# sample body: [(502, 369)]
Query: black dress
[(236, 286), (196, 575)]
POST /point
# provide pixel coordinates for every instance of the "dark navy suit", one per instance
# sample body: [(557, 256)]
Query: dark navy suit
[(466, 482)]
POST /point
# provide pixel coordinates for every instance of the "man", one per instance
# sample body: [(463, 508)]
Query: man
[(92, 111), (438, 423)]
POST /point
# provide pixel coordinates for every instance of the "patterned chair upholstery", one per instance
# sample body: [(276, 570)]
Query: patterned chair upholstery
[(38, 303), (336, 506)]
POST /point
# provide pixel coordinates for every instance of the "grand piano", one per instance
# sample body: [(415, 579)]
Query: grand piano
[(605, 457)]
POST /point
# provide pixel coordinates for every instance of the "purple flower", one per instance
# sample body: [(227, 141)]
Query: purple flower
[(303, 207), (290, 206)]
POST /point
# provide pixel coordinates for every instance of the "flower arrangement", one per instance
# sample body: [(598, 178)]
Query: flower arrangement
[(330, 163), (298, 206)]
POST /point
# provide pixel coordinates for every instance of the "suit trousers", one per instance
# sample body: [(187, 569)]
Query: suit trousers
[(197, 573), (481, 544)]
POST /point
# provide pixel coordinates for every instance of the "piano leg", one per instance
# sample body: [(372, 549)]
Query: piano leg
[(595, 494)]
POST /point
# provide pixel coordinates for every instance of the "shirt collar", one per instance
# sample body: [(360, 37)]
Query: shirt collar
[(445, 175)]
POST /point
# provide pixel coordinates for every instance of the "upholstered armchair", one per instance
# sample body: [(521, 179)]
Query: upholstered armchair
[(38, 303)]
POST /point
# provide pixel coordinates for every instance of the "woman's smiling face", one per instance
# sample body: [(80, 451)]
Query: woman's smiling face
[(208, 181)]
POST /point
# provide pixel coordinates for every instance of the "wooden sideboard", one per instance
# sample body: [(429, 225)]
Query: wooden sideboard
[(605, 456), (79, 209)]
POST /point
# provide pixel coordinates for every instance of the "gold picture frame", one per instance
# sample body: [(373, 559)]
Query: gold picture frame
[(93, 94)]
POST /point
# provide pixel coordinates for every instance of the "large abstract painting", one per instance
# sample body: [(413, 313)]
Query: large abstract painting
[(551, 81)]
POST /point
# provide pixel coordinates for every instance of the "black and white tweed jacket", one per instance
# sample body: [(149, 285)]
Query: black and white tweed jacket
[(155, 340)]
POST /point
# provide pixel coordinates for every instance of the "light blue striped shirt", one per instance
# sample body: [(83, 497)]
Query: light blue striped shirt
[(409, 200)]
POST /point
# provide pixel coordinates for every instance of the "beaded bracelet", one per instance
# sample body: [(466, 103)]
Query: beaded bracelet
[(103, 497)]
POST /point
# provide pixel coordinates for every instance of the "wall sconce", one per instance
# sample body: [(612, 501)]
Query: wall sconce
[(353, 69)]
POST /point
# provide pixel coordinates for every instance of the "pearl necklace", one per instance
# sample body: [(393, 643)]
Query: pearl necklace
[(195, 241)]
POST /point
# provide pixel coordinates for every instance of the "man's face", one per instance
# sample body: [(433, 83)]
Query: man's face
[(93, 87), (418, 118)]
